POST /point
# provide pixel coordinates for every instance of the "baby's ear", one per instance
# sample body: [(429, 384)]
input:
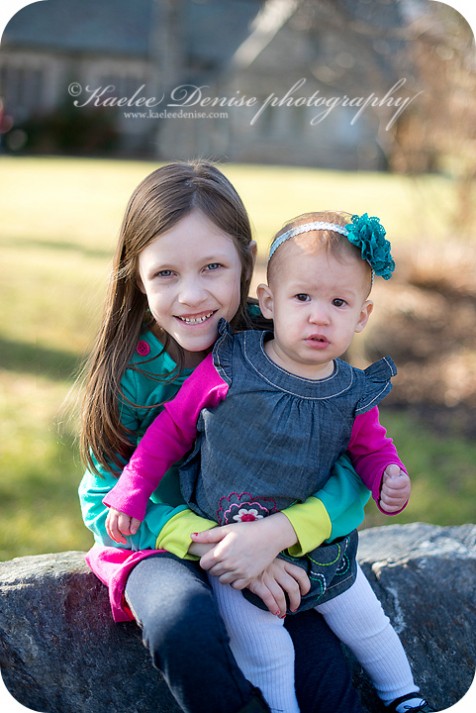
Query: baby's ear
[(365, 313), (265, 299)]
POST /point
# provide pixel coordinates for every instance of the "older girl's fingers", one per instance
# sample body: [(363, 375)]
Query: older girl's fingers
[(295, 582), (291, 587)]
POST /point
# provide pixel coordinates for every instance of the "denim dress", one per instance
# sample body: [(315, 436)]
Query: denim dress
[(273, 442)]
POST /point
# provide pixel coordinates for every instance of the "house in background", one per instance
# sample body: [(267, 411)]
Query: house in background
[(178, 50), (49, 45)]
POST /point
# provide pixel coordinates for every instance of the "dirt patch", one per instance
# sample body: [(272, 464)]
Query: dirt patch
[(426, 319)]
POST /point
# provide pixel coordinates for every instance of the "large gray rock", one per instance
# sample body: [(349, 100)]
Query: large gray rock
[(60, 651), (425, 577)]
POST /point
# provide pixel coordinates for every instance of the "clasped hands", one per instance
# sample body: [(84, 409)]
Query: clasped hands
[(243, 555)]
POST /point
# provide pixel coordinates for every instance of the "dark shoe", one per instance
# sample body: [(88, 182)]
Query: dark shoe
[(422, 707)]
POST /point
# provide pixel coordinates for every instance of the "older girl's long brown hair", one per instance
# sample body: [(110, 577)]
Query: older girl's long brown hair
[(163, 198)]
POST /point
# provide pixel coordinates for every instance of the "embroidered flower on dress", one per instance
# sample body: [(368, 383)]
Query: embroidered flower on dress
[(368, 234), (243, 507), (244, 515)]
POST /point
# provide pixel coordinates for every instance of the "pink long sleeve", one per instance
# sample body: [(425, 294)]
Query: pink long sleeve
[(169, 437), (371, 451)]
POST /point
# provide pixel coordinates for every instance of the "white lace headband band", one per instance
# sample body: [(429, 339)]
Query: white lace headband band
[(366, 233), (305, 228)]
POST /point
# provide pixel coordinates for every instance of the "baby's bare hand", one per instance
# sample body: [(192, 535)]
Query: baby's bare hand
[(396, 488), (119, 525)]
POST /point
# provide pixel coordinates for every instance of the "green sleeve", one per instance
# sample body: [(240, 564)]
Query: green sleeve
[(344, 497), (311, 524), (175, 535), (93, 488)]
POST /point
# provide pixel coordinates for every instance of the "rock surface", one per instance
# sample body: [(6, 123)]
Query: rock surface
[(60, 651), (425, 577)]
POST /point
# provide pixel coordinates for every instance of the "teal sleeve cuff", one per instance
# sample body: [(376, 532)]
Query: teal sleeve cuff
[(344, 497), (92, 490)]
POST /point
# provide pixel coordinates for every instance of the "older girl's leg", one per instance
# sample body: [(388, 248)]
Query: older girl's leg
[(322, 672), (175, 608)]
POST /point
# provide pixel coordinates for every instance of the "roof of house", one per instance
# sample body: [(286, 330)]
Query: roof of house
[(213, 34), (85, 26), (211, 30)]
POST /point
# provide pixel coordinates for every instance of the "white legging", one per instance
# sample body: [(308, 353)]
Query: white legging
[(264, 651)]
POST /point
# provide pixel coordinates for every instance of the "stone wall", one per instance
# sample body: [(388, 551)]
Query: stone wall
[(60, 651)]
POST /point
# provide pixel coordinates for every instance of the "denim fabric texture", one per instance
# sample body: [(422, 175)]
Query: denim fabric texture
[(274, 441), (331, 569)]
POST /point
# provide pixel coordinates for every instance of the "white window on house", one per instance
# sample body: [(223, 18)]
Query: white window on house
[(125, 85), (298, 120), (22, 89)]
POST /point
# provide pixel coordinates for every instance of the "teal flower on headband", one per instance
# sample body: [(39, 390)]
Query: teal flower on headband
[(368, 234)]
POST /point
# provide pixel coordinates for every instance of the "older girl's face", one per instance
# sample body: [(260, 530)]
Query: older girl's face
[(191, 276)]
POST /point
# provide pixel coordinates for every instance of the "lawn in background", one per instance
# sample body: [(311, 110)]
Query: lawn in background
[(59, 221)]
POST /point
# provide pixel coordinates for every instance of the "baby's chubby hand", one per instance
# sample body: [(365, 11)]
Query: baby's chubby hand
[(119, 525), (396, 488)]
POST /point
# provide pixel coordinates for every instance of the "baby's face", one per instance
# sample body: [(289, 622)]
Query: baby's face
[(318, 302)]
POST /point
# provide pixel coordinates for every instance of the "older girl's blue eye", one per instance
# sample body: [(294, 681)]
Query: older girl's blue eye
[(164, 273), (213, 266)]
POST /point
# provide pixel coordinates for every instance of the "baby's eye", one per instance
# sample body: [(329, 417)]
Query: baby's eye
[(302, 297), (338, 302)]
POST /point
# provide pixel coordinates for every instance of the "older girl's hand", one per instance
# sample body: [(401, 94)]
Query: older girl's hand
[(279, 579), (242, 551)]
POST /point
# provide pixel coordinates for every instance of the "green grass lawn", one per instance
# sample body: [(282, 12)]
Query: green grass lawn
[(59, 223)]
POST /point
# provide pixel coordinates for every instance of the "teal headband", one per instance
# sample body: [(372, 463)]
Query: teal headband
[(367, 234)]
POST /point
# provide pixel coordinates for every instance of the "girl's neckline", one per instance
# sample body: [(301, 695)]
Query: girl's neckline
[(337, 383), (189, 363)]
